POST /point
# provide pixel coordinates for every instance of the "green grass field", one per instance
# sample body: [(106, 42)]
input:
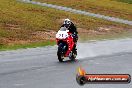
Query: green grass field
[(24, 46), (126, 1), (24, 25), (116, 8)]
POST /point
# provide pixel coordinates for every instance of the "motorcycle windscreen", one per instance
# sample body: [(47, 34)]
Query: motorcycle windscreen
[(62, 33)]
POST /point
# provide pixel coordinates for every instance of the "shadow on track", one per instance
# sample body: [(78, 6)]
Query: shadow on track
[(69, 61)]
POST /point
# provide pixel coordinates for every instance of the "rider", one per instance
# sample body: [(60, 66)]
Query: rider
[(72, 28)]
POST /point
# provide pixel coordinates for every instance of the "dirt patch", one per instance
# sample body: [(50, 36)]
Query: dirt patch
[(44, 35), (100, 33), (12, 26), (102, 30), (13, 41), (37, 36)]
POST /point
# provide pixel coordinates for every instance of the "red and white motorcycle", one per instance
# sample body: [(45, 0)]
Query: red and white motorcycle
[(66, 45)]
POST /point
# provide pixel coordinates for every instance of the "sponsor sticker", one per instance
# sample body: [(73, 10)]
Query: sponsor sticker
[(83, 78)]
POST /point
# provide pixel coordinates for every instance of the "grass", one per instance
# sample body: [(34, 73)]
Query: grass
[(24, 46), (116, 8), (126, 1), (19, 22)]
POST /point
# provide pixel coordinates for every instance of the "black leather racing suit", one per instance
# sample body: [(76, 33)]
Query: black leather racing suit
[(72, 28)]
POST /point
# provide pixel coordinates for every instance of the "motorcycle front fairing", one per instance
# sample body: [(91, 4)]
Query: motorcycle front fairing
[(64, 41), (70, 45)]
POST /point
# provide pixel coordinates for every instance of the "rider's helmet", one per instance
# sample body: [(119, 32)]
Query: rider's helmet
[(67, 22)]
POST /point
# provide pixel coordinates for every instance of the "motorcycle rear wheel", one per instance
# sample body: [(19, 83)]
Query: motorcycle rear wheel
[(73, 56)]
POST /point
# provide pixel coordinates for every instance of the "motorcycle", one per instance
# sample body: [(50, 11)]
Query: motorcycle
[(66, 45)]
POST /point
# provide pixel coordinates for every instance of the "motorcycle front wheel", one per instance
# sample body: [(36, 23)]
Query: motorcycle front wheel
[(60, 56), (61, 51)]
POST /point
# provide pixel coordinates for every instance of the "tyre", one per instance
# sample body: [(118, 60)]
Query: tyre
[(60, 56), (74, 54), (61, 51)]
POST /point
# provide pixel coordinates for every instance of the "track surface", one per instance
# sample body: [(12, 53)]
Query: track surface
[(39, 67)]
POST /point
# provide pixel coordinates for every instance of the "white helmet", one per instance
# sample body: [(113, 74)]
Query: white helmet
[(67, 21)]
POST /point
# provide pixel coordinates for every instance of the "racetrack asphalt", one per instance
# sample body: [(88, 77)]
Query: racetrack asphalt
[(39, 67)]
